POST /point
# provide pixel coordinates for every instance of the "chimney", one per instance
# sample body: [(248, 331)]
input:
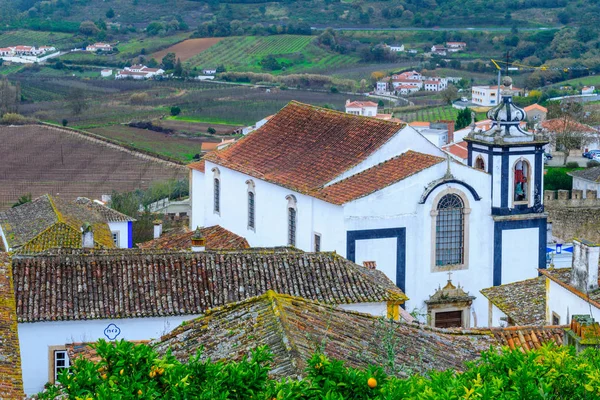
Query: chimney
[(198, 240), (584, 275), (87, 236), (157, 228), (583, 332)]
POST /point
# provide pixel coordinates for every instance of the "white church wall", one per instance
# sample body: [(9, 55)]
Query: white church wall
[(497, 181), (517, 245), (377, 309), (196, 199), (565, 304), (35, 339), (383, 250), (122, 228), (406, 139), (271, 213)]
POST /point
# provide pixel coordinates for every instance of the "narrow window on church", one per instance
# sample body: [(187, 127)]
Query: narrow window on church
[(521, 180), (317, 243), (292, 226), (251, 210), (479, 163), (449, 235), (217, 196)]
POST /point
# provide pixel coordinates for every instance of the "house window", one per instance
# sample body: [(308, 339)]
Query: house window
[(115, 238), (479, 163), (555, 319), (448, 319), (251, 210), (317, 243), (521, 181), (58, 361), (449, 240)]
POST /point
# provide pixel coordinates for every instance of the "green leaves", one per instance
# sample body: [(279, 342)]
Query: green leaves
[(129, 371)]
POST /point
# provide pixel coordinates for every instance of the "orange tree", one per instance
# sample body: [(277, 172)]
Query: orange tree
[(128, 371)]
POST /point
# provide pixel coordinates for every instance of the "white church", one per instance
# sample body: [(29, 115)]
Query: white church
[(380, 194)]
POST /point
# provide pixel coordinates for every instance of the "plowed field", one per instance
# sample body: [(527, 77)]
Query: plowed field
[(187, 49)]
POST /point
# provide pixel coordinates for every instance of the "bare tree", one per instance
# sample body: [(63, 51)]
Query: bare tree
[(449, 94), (77, 101), (569, 126)]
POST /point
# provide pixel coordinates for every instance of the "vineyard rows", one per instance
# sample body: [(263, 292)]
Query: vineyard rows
[(36, 38), (430, 114)]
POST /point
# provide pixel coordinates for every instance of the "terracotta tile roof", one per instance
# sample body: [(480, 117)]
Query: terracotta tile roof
[(527, 338), (432, 82), (561, 125), (562, 276), (360, 104), (108, 213), (303, 147), (294, 327), (217, 238), (125, 283), (458, 149), (536, 106), (523, 302), (48, 222), (198, 166), (11, 381), (209, 146), (377, 177), (420, 123), (590, 174)]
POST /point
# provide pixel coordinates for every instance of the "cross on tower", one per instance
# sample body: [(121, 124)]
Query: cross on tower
[(449, 276)]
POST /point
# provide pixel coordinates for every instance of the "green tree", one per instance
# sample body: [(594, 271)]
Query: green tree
[(175, 110), (178, 70), (449, 94), (168, 61), (110, 13), (211, 130), (463, 118), (88, 28)]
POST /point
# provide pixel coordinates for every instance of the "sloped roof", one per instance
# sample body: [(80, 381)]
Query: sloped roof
[(294, 328), (536, 106), (360, 104), (11, 381), (377, 177), (217, 238), (303, 147), (124, 283), (561, 125), (48, 221), (108, 213), (524, 302), (590, 174), (198, 166), (562, 276), (527, 338), (459, 149)]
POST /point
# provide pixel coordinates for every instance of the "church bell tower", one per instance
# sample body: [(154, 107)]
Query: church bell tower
[(514, 159)]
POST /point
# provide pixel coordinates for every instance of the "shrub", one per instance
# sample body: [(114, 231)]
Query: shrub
[(572, 164), (175, 110), (16, 119), (592, 164), (557, 179), (211, 130), (64, 122), (138, 98)]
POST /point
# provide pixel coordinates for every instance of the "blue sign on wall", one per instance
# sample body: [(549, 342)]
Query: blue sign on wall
[(112, 331)]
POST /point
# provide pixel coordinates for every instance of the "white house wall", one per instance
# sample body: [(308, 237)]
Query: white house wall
[(271, 219), (36, 338), (406, 139), (123, 229), (196, 199), (516, 253), (565, 304), (5, 243), (585, 185), (497, 317), (397, 206)]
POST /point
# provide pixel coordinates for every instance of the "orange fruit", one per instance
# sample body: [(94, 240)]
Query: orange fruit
[(372, 382), (140, 392), (121, 372)]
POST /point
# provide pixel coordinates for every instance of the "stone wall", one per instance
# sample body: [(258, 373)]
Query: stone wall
[(572, 216), (11, 381)]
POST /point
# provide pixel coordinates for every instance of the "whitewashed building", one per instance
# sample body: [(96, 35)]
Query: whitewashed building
[(364, 108), (379, 192), (487, 96), (586, 179), (120, 225)]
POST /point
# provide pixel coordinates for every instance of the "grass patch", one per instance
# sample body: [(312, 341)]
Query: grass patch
[(210, 120), (37, 38), (556, 178)]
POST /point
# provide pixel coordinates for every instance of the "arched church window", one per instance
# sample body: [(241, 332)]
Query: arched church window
[(449, 240), (292, 220), (521, 181), (479, 163)]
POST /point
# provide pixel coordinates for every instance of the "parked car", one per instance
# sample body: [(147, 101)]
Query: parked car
[(590, 154), (596, 156), (548, 156)]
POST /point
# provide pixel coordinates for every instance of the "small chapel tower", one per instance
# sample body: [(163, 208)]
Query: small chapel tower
[(514, 159)]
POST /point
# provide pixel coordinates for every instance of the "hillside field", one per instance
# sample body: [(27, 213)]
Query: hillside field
[(59, 40), (187, 49)]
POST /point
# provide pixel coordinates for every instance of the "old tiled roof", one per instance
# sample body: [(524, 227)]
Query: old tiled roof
[(560, 125), (108, 213), (377, 177), (536, 106), (198, 166), (420, 123), (123, 283), (49, 222), (294, 328), (458, 149), (360, 104), (562, 276), (526, 338), (523, 302), (590, 174), (304, 147), (11, 382), (217, 238)]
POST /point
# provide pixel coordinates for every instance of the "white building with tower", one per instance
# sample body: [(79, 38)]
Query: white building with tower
[(381, 194)]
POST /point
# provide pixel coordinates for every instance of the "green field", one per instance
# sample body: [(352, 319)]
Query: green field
[(150, 44), (586, 80), (10, 69), (245, 54), (36, 38)]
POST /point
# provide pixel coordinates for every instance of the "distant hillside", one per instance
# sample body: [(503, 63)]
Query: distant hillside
[(322, 13)]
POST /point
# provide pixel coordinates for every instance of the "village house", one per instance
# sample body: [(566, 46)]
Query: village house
[(120, 225), (27, 54), (395, 47), (139, 72), (586, 179), (318, 179), (48, 222), (410, 75), (588, 90), (438, 50), (209, 71), (383, 85), (106, 73), (536, 113), (76, 295), (397, 82), (559, 126), (487, 96), (439, 133), (433, 85), (454, 47), (407, 89), (99, 47), (364, 108)]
